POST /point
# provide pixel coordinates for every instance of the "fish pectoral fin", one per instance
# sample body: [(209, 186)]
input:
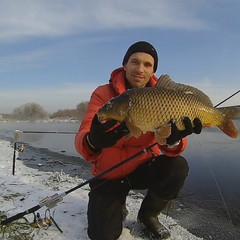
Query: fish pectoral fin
[(134, 130), (209, 125), (162, 133), (160, 141)]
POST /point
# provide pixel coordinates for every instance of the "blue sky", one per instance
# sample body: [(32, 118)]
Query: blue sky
[(55, 53)]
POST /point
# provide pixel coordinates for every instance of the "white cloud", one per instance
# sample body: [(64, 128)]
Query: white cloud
[(27, 18), (22, 60)]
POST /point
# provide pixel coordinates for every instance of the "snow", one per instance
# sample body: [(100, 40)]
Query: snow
[(31, 183)]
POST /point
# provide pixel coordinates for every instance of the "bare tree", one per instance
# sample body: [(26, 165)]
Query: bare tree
[(64, 113), (29, 111), (81, 109)]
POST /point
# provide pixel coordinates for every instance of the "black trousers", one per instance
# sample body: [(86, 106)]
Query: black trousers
[(163, 176)]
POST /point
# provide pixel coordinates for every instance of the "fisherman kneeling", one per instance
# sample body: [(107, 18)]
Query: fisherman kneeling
[(106, 144)]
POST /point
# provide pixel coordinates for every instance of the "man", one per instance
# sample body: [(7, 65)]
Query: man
[(105, 145)]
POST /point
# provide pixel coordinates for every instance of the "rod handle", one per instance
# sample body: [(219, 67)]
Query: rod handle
[(20, 215)]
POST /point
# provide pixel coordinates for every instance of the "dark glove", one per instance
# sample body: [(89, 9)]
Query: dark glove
[(99, 137), (177, 135)]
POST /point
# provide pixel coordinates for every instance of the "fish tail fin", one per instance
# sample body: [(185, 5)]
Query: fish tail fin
[(229, 128), (228, 125)]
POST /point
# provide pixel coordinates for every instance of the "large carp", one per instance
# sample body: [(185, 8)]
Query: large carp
[(152, 108)]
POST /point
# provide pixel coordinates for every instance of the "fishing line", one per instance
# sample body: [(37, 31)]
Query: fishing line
[(221, 194), (214, 177), (222, 197)]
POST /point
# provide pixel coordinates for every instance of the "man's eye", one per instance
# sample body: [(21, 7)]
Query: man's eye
[(148, 65), (134, 62)]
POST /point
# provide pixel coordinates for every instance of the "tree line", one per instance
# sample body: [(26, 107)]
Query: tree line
[(34, 111)]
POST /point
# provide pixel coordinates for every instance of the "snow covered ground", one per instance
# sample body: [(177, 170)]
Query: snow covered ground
[(39, 175)]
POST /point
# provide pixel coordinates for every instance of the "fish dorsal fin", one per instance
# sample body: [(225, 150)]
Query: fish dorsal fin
[(164, 82), (167, 83)]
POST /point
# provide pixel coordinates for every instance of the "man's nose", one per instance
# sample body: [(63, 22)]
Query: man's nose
[(140, 67)]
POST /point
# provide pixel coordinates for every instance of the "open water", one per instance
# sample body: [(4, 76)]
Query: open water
[(213, 157)]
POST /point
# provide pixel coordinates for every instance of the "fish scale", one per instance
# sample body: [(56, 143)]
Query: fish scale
[(161, 106), (152, 109)]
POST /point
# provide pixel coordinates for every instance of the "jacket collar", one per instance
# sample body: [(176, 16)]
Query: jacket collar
[(117, 80)]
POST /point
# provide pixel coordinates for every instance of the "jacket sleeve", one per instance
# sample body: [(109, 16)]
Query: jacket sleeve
[(97, 100), (175, 151)]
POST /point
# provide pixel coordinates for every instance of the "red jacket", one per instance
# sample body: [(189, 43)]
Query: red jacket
[(124, 148)]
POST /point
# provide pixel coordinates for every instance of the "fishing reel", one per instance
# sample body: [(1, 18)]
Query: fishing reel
[(25, 228), (17, 135), (21, 148), (46, 221)]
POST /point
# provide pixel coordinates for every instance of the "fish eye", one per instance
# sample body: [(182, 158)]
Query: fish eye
[(109, 105)]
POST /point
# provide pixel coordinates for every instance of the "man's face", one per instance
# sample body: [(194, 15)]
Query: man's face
[(139, 69)]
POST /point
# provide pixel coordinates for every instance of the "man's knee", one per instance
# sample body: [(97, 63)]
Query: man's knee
[(180, 167), (173, 172), (176, 167)]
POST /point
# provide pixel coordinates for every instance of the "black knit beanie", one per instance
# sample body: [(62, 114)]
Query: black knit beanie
[(142, 47)]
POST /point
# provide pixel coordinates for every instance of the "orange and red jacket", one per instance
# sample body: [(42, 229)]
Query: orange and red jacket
[(124, 148)]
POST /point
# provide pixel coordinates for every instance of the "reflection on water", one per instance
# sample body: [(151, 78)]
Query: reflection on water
[(213, 157), (56, 142)]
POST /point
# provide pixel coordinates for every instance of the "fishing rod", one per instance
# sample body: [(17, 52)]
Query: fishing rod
[(14, 158), (57, 132), (227, 98), (17, 135), (53, 200)]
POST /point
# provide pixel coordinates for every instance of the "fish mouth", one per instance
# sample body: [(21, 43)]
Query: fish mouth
[(101, 117)]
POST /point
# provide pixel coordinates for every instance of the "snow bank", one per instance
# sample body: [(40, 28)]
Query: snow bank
[(31, 184)]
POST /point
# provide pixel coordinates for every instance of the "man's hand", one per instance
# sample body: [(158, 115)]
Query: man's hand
[(177, 135), (101, 137)]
